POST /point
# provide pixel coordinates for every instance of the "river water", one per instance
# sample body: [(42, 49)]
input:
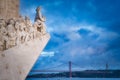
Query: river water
[(73, 79)]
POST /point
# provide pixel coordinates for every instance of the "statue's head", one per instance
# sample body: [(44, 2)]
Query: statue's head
[(38, 8), (11, 21)]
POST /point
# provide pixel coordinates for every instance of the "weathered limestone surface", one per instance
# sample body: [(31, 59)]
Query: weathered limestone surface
[(16, 62), (9, 9)]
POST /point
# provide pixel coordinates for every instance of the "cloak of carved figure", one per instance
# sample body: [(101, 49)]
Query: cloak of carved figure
[(11, 34), (1, 46), (29, 29), (17, 27), (3, 37), (22, 32)]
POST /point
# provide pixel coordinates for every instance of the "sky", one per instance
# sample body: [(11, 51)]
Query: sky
[(85, 32)]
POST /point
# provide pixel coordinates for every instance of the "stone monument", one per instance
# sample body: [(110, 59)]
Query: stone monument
[(21, 42)]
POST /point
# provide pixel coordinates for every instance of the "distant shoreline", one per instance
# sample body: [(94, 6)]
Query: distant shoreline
[(81, 74)]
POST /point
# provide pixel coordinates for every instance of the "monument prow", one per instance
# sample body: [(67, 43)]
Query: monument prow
[(21, 42)]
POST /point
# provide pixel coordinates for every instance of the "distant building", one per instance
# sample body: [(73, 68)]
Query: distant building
[(9, 9)]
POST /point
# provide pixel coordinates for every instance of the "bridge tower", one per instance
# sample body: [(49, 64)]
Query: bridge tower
[(107, 66), (70, 69)]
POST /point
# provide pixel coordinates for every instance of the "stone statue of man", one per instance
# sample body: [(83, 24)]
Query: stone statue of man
[(39, 16)]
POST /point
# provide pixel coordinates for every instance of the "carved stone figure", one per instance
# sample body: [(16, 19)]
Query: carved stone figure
[(14, 32), (1, 46), (39, 16), (11, 34), (3, 35), (28, 29), (39, 22), (22, 32), (17, 27)]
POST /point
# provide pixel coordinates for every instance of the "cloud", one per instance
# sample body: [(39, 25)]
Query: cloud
[(91, 46), (47, 54), (84, 40), (86, 43), (55, 3), (73, 36)]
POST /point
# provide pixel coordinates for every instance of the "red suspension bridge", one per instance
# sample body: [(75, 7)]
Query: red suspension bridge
[(49, 69), (69, 69)]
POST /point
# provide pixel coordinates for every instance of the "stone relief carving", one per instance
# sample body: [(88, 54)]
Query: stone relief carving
[(14, 32), (3, 33)]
